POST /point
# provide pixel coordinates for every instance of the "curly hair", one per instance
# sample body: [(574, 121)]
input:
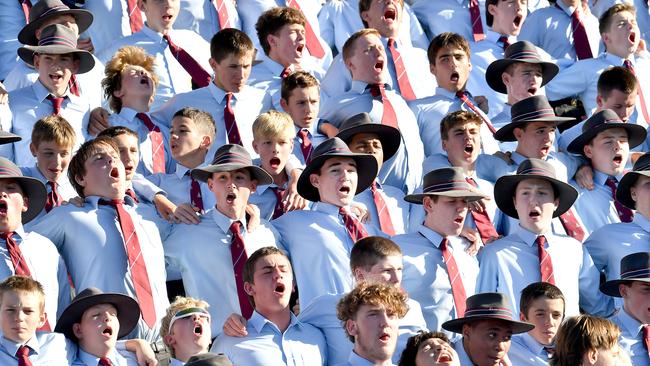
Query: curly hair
[(125, 56)]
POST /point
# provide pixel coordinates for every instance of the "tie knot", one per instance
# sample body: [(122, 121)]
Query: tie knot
[(105, 361), (6, 236), (344, 212), (376, 89), (461, 94), (235, 228), (146, 120), (373, 187), (540, 241), (444, 243), (23, 351), (391, 42), (228, 98), (611, 182), (51, 184), (303, 134), (285, 72)]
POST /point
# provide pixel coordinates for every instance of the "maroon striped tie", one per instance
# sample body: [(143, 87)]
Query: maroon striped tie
[(353, 226), (545, 263), (231, 124), (200, 77), (457, 288), (239, 258), (389, 117)]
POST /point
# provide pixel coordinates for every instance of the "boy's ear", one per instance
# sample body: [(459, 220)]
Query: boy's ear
[(253, 185), (522, 317), (76, 330), (255, 146), (248, 287), (272, 40), (314, 180), (588, 151), (37, 61), (284, 104), (32, 149), (169, 340), (599, 100), (142, 5), (351, 327), (42, 319), (364, 16), (25, 203), (206, 141)]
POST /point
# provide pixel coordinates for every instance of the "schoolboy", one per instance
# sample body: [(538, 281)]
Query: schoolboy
[(56, 58), (449, 62), (442, 294), (181, 56), (273, 134), (94, 321), (404, 62), (369, 78), (606, 142), (106, 243), (51, 146), (28, 253), (232, 103), (274, 333), (129, 86), (22, 312), (486, 330), (386, 208), (566, 29), (632, 286), (191, 136), (610, 243), (621, 36), (185, 329), (331, 180), (190, 249), (370, 315), (281, 33), (542, 305), (533, 252), (301, 100), (504, 20)]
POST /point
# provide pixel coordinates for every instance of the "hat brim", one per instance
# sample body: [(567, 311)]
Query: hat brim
[(504, 191), (456, 325), (128, 313), (257, 173), (36, 195), (83, 18), (8, 138), (623, 190), (390, 137), (366, 172), (86, 59), (470, 196), (635, 136), (610, 288), (506, 133), (498, 67)]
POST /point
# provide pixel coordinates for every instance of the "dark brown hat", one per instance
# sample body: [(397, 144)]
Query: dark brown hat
[(505, 187), (57, 39), (128, 311), (487, 306), (448, 182), (7, 137), (522, 51), (641, 167), (231, 157), (532, 109), (209, 359), (390, 137), (32, 188), (604, 120), (634, 267), (334, 148), (47, 9)]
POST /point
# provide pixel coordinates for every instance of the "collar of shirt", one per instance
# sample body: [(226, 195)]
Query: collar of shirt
[(273, 66), (224, 222), (19, 233), (517, 157), (493, 37), (152, 34), (311, 131), (528, 237), (181, 170), (89, 359), (567, 9), (12, 347), (361, 87), (327, 208), (128, 115), (631, 325), (430, 235), (616, 60), (534, 346), (93, 201), (600, 177), (41, 92), (220, 95), (356, 360), (35, 172), (441, 92), (642, 221), (258, 321)]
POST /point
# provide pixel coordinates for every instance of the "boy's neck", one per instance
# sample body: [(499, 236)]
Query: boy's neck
[(520, 150), (232, 213), (274, 57), (97, 350), (430, 224), (193, 159), (626, 56), (281, 318), (162, 31), (140, 105), (280, 179), (57, 93)]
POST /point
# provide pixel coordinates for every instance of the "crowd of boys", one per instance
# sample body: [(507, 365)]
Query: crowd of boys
[(310, 182)]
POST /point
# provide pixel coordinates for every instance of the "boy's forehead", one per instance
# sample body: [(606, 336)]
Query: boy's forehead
[(272, 260), (233, 172), (534, 182), (106, 305), (544, 303), (239, 58), (338, 160), (450, 50)]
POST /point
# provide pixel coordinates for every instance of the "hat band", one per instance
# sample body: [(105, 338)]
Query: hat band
[(230, 157), (642, 168), (605, 121), (8, 171), (454, 185), (539, 113), (57, 41), (536, 171), (334, 150), (54, 9), (525, 55), (635, 273), (501, 313)]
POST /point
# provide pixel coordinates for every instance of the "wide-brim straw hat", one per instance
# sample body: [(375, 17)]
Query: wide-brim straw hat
[(232, 157), (449, 182), (44, 10), (389, 136), (57, 39), (605, 120), (522, 51), (531, 109), (32, 188)]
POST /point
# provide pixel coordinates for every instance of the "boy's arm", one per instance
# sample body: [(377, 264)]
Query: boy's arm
[(143, 352), (64, 287)]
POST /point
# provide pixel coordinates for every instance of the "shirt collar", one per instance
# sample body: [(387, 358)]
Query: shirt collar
[(128, 113), (517, 157), (12, 347), (642, 221), (630, 324), (217, 93), (311, 131), (89, 359), (529, 237), (93, 201), (356, 360), (616, 60), (224, 221), (258, 321), (600, 177), (530, 342), (273, 66), (493, 36), (326, 208), (41, 92), (430, 235), (150, 33), (567, 9), (181, 170)]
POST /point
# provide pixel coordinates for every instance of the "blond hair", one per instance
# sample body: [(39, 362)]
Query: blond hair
[(273, 124), (125, 56), (179, 303), (23, 284), (580, 334), (53, 128)]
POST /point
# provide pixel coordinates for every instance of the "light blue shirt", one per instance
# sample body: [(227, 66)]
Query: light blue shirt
[(264, 198), (339, 79), (340, 19), (201, 254), (321, 313), (356, 360), (45, 349), (12, 19), (447, 16), (314, 137), (247, 105), (90, 241), (512, 263), (177, 186), (398, 209), (172, 77), (550, 28), (404, 169), (29, 104), (631, 338), (425, 275), (596, 207), (86, 359), (45, 265), (430, 111), (525, 350), (299, 345), (463, 357), (127, 118), (201, 17), (63, 186), (321, 242), (111, 22)]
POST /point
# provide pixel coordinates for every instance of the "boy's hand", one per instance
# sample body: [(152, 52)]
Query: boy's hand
[(585, 177), (164, 206), (76, 201), (478, 206), (186, 214), (254, 217), (296, 308), (360, 211), (292, 200), (474, 238), (143, 352), (482, 103), (85, 44), (329, 129), (505, 156), (98, 121), (235, 326)]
